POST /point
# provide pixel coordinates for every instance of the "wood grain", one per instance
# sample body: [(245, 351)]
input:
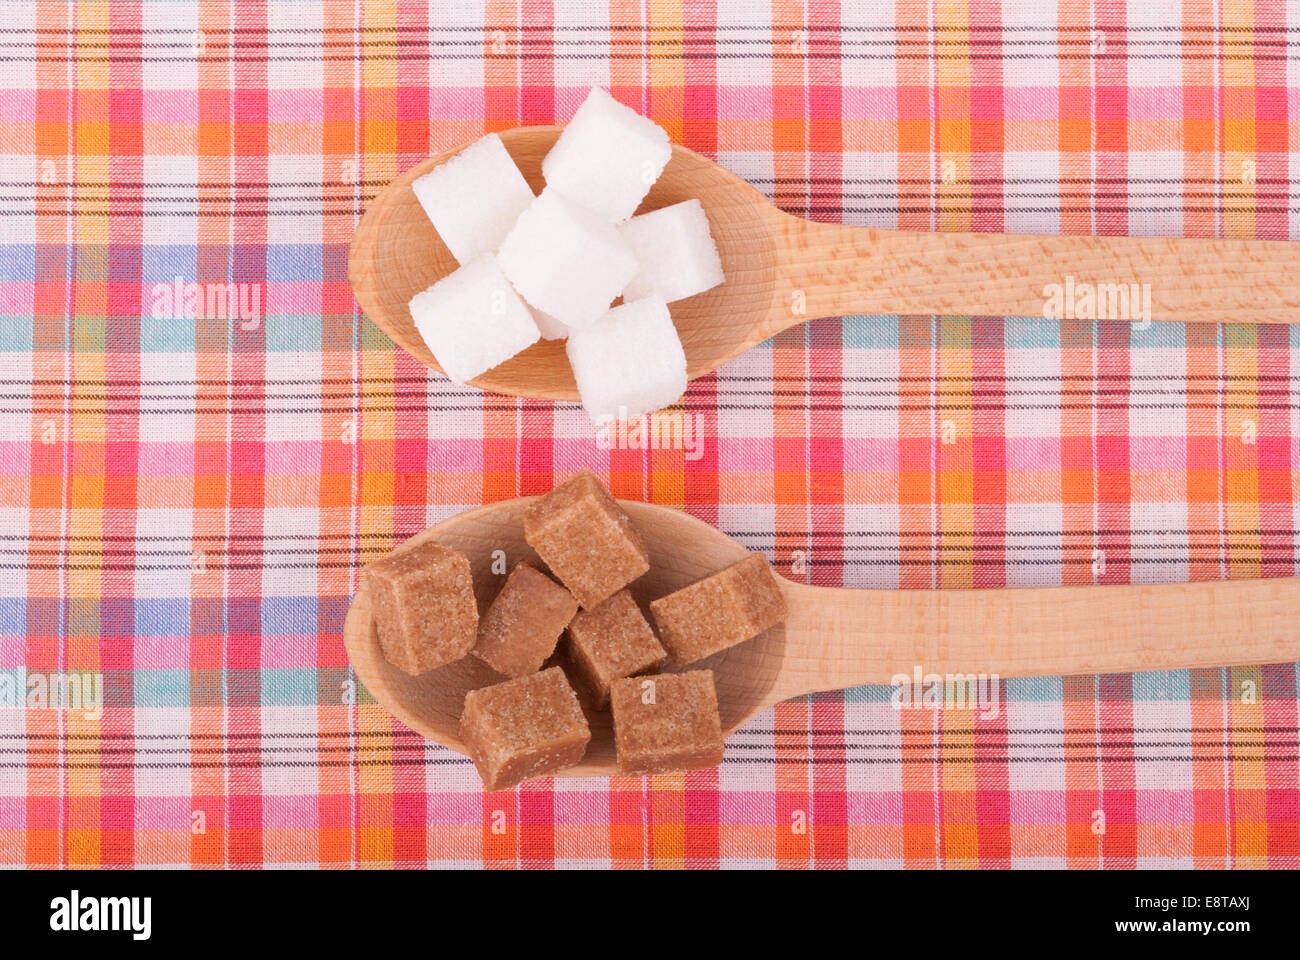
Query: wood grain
[(858, 270), (837, 638), (782, 270)]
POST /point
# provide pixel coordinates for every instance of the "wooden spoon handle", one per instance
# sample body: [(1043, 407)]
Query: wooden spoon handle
[(837, 638), (834, 270)]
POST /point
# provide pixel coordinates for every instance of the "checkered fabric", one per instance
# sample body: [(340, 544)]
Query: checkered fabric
[(187, 493)]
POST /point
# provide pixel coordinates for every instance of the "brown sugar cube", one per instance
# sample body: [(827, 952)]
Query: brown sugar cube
[(423, 604), (524, 728), (524, 622), (720, 611), (610, 641), (677, 729), (586, 540)]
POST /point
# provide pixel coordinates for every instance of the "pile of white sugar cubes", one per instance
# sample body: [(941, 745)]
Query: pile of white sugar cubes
[(550, 266)]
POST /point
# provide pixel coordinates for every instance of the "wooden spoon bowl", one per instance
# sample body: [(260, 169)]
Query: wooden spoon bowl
[(681, 551), (397, 253), (838, 638)]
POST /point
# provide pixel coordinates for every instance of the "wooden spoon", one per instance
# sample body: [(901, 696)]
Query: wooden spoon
[(782, 270), (837, 638)]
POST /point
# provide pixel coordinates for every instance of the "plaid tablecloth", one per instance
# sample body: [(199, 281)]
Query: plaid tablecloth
[(186, 495)]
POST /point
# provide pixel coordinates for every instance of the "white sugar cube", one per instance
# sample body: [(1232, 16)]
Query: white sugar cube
[(474, 198), (549, 326), (629, 362), (675, 250), (608, 157), (472, 320), (566, 261)]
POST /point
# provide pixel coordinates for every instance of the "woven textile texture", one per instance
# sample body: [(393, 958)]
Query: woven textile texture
[(187, 491)]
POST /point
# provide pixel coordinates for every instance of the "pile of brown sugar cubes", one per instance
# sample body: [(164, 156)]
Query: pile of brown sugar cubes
[(533, 724)]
